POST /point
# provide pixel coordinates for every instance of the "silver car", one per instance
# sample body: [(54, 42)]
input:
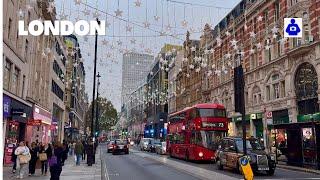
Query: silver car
[(144, 142), (161, 148)]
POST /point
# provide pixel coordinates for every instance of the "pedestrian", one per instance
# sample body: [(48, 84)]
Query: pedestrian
[(44, 153), (34, 158), (14, 159), (90, 153), (78, 150), (84, 150), (55, 161), (23, 157), (65, 152)]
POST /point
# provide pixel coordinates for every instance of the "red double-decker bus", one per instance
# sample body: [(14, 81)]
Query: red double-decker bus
[(194, 133)]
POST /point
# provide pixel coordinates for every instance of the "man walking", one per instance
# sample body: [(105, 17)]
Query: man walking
[(78, 150), (84, 150)]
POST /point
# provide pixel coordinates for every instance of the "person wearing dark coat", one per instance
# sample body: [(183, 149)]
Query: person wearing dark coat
[(14, 159), (65, 151), (56, 169), (44, 164), (34, 150), (84, 150), (90, 153)]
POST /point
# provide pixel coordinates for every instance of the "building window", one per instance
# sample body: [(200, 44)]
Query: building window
[(15, 81), (306, 86), (9, 27), (278, 45), (277, 10), (7, 74), (276, 91), (268, 92), (266, 18), (23, 84), (26, 48)]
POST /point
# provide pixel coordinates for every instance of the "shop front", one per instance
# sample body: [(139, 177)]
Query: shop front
[(298, 143), (15, 117), (238, 125), (39, 127)]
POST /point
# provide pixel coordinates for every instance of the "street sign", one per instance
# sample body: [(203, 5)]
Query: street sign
[(269, 115), (246, 168)]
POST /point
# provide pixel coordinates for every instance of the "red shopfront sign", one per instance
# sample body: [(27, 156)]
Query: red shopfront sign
[(34, 122), (42, 114)]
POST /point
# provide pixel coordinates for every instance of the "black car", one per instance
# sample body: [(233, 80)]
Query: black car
[(120, 146), (231, 149)]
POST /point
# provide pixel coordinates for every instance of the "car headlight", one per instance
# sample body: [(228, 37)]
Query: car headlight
[(200, 154)]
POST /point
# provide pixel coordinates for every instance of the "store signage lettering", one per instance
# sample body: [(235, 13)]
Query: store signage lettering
[(212, 125), (34, 122), (81, 28)]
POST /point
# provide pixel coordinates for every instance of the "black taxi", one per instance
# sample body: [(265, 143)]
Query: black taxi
[(231, 149)]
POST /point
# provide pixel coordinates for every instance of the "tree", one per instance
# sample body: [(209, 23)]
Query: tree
[(107, 114)]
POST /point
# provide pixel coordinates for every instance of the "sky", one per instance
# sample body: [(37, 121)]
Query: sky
[(171, 14)]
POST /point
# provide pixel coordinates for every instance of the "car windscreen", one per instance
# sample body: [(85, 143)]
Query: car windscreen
[(120, 141), (251, 144)]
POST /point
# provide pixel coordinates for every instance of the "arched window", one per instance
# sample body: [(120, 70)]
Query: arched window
[(306, 86), (275, 88)]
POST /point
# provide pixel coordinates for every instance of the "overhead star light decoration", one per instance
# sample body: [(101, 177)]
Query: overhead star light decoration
[(146, 24), (187, 75), (96, 14), (118, 13), (137, 3), (63, 16), (227, 33), (156, 18), (260, 18), (119, 43), (228, 55), (168, 27), (251, 51), (275, 30), (61, 56), (50, 8), (252, 34), (86, 12), (193, 48), (206, 51), (21, 13), (234, 42), (259, 46), (211, 51), (133, 41), (128, 28), (184, 23), (77, 2), (162, 33), (104, 42)]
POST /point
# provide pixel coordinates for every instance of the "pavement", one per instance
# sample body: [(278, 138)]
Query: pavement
[(69, 171)]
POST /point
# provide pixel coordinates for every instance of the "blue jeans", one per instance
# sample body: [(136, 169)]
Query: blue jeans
[(78, 159)]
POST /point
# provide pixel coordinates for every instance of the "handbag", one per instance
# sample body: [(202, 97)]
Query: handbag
[(24, 159), (43, 156), (52, 161)]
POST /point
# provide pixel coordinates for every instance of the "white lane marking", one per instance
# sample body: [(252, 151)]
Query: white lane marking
[(106, 174)]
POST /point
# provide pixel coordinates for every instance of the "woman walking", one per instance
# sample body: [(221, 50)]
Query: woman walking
[(23, 157), (55, 162), (34, 158), (44, 153)]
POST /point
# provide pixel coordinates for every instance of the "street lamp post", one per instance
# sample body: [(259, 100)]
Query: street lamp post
[(240, 99), (97, 108), (94, 91)]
